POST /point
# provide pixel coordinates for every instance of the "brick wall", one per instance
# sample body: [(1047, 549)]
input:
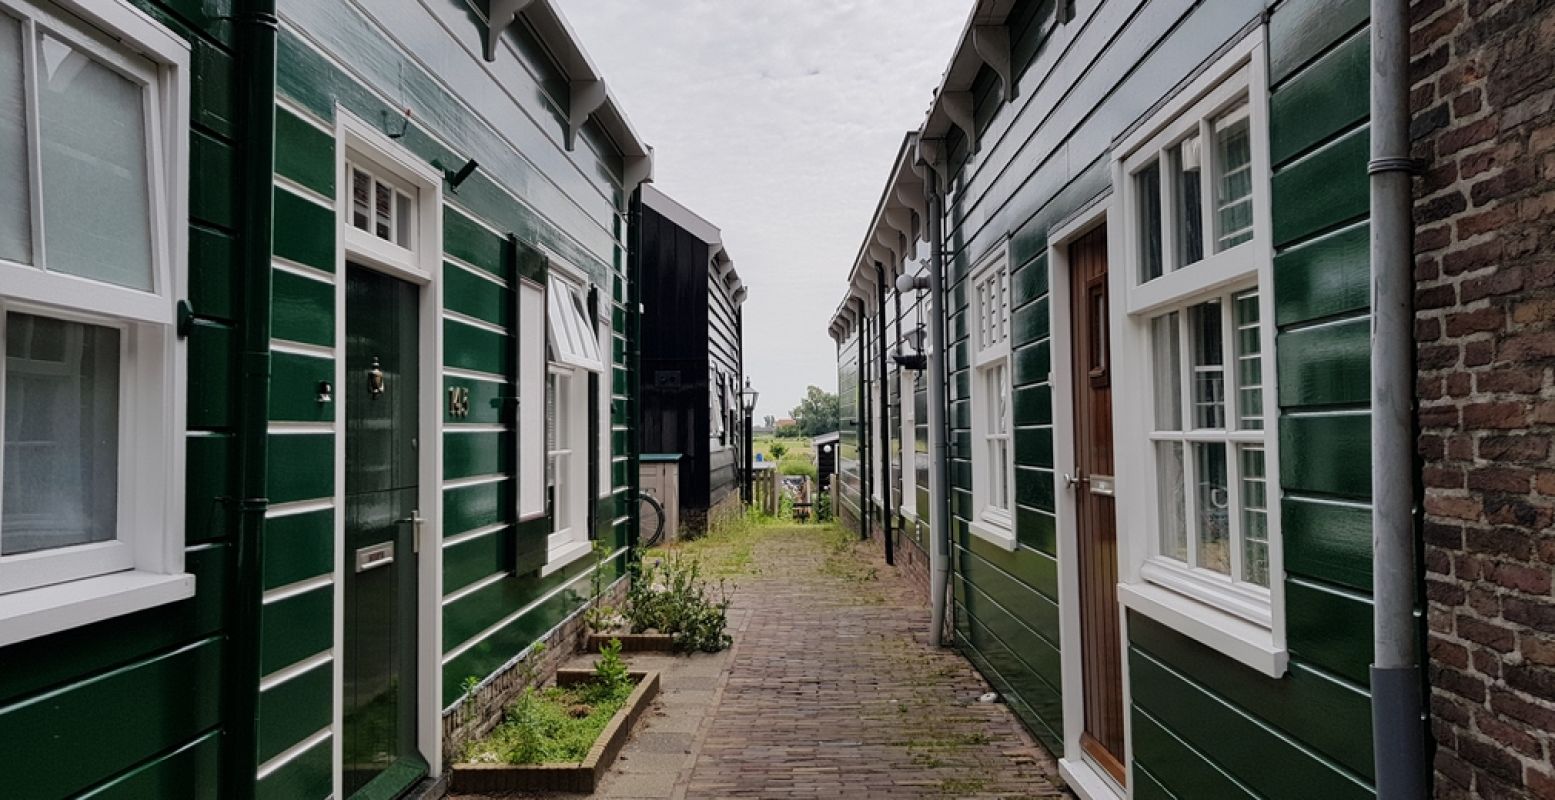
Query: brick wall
[(1484, 103)]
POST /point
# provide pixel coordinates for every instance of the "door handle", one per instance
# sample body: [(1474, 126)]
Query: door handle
[(415, 519), (1071, 481)]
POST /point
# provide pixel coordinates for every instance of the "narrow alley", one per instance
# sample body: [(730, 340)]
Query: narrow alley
[(830, 690)]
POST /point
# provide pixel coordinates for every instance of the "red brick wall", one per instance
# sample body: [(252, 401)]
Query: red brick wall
[(1484, 103)]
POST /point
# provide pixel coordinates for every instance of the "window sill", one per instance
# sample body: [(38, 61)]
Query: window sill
[(1228, 634), (38, 612), (908, 513), (561, 557), (997, 534)]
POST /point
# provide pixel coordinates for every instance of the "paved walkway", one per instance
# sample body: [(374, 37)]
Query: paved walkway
[(830, 691)]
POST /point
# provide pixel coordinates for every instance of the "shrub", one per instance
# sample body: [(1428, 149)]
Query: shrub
[(797, 467), (670, 596), (822, 507)]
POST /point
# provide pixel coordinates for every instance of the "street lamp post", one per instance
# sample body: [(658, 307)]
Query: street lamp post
[(748, 400)]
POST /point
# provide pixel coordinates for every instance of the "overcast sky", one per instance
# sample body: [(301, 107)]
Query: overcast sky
[(777, 121)]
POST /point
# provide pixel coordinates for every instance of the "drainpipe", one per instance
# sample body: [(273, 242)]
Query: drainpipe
[(866, 490), (1398, 715), (939, 450), (634, 319), (255, 24), (884, 435)]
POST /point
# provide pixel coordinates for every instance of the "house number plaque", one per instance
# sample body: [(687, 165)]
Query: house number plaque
[(459, 402)]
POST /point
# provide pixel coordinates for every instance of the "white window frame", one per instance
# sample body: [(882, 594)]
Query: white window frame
[(575, 363), (1241, 620), (53, 590), (988, 347), (908, 414)]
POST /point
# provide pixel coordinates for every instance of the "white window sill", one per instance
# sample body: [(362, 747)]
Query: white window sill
[(38, 612), (559, 558), (909, 513), (1228, 634), (1000, 535)]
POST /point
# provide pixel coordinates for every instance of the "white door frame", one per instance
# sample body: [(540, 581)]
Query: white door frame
[(363, 141), (1087, 779)]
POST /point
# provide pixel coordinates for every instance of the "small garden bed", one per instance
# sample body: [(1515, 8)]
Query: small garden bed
[(669, 608), (562, 737)]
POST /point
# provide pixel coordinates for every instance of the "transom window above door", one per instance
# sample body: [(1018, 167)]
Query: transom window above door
[(93, 162), (382, 206)]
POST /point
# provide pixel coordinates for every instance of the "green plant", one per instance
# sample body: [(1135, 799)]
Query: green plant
[(778, 451), (797, 467), (468, 686), (599, 616), (822, 506), (669, 595), (612, 679)]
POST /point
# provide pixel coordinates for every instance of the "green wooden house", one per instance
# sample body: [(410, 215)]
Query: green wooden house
[(1153, 219), (319, 334)]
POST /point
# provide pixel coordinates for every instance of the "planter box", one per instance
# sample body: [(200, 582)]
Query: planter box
[(582, 777), (634, 642)]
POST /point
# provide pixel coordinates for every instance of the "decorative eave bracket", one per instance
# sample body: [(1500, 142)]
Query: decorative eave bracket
[(587, 97), (637, 170), (958, 107), (992, 44), (499, 15)]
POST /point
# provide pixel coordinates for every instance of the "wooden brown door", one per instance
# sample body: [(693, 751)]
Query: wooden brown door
[(1095, 513)]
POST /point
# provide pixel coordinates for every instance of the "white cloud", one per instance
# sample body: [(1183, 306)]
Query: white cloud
[(777, 121)]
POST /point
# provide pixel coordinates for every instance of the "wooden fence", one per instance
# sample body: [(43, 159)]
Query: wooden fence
[(766, 488)]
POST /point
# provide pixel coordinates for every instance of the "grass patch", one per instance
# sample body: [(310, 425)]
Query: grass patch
[(556, 725)]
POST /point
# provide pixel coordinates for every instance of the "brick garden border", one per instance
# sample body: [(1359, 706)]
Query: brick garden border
[(582, 777), (633, 642)]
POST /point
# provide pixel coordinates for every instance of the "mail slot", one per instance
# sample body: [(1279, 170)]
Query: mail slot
[(1101, 484), (378, 555)]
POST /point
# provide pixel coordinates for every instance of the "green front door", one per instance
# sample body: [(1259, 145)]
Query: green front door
[(382, 477)]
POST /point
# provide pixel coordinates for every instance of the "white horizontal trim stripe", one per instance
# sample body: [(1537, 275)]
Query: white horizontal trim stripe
[(476, 271), (290, 754), (302, 270), (292, 187), (536, 603), (479, 480), (473, 375), (469, 536), (475, 427), (620, 520), (475, 587), (291, 590), (294, 508), (474, 323), (306, 115), (300, 428), (302, 349), (472, 216), (285, 674), (1341, 412)]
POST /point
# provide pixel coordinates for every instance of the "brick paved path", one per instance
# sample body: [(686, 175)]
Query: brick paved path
[(830, 691)]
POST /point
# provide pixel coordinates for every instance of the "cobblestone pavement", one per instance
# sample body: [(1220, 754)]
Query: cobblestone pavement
[(830, 691)]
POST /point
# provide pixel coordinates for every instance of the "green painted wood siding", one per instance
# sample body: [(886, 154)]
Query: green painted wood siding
[(1040, 160), (129, 707), (849, 426), (370, 60)]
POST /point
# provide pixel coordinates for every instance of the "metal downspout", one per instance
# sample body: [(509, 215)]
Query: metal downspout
[(939, 451), (1398, 717), (883, 436), (634, 318), (256, 26), (866, 490)]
